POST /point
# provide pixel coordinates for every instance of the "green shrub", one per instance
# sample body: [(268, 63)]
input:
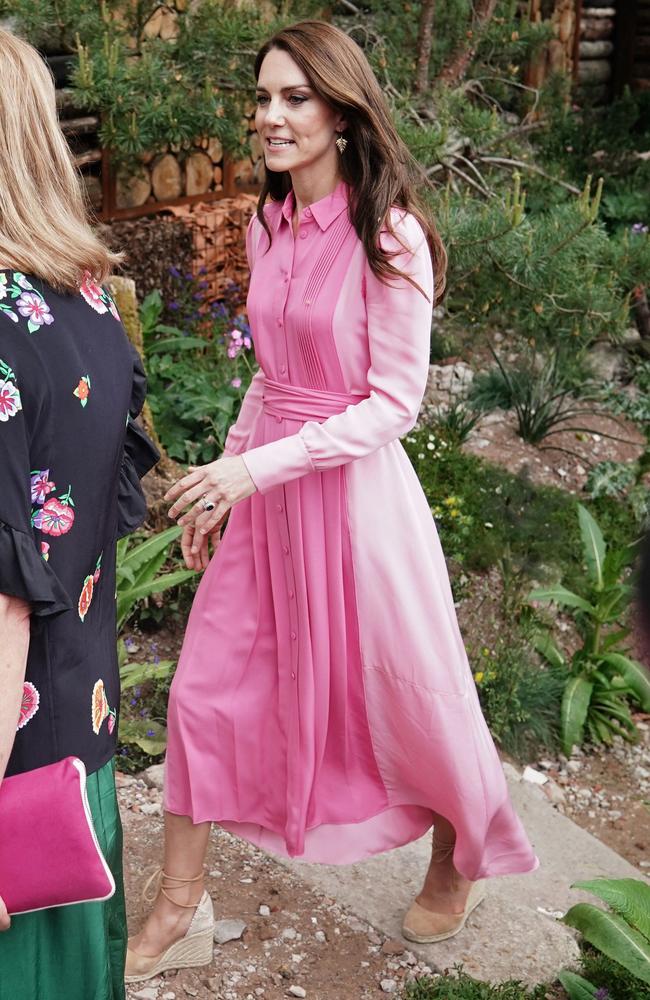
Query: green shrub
[(601, 678), (520, 698), (621, 932), (537, 525), (199, 368), (464, 987)]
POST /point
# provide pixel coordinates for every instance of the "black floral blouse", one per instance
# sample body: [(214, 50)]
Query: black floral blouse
[(71, 456)]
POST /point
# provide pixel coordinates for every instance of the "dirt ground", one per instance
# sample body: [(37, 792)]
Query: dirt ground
[(300, 941)]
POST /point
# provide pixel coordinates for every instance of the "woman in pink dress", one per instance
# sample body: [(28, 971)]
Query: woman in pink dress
[(323, 706)]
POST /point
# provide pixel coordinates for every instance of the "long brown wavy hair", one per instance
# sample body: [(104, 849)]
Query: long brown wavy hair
[(377, 165)]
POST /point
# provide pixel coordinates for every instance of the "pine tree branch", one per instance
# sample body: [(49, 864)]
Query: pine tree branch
[(456, 66)]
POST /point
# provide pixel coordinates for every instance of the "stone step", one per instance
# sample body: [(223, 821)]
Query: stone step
[(515, 932)]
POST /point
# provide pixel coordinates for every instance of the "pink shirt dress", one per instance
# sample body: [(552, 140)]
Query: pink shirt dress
[(323, 706)]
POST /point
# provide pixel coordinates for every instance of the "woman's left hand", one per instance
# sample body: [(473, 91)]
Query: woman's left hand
[(222, 483)]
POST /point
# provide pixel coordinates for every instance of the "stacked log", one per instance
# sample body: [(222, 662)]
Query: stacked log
[(557, 56), (596, 50), (80, 130), (172, 174), (641, 68)]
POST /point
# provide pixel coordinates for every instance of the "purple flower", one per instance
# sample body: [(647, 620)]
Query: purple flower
[(235, 383), (144, 712), (41, 486), (156, 658), (150, 732), (174, 306), (233, 351), (198, 296), (247, 342), (203, 270), (638, 228), (175, 273), (134, 701), (32, 305), (204, 284), (189, 276), (601, 994)]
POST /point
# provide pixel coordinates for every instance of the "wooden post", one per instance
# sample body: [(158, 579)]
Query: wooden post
[(625, 38)]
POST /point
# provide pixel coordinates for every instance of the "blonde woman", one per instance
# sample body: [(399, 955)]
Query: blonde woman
[(70, 457)]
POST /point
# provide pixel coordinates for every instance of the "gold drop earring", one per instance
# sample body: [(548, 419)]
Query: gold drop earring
[(341, 143)]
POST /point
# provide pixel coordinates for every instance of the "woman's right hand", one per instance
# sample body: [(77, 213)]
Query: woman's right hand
[(5, 919), (198, 561)]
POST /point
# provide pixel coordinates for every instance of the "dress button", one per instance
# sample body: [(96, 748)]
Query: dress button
[(279, 321), (308, 213), (294, 636), (291, 595), (293, 676), (279, 508), (285, 549), (283, 369), (303, 235), (278, 419)]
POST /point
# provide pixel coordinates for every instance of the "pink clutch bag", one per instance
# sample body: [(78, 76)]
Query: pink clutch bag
[(49, 852)]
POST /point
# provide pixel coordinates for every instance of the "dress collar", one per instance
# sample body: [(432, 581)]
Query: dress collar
[(324, 211)]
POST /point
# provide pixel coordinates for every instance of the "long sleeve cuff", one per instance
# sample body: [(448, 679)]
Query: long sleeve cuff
[(278, 462)]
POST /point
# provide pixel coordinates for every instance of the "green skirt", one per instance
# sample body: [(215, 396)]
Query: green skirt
[(73, 952)]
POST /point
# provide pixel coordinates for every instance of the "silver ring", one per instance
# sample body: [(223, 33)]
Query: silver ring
[(207, 504)]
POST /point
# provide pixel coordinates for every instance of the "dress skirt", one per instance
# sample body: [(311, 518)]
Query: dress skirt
[(73, 952), (323, 706)]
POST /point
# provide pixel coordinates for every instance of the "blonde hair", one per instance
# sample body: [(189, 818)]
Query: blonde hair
[(44, 227)]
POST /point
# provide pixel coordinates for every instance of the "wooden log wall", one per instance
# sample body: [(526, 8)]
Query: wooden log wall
[(641, 64), (594, 71)]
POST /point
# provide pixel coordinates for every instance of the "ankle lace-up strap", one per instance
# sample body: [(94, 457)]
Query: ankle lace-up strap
[(156, 883), (440, 850)]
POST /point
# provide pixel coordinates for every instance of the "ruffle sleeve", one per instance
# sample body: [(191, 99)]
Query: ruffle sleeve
[(25, 574), (140, 455)]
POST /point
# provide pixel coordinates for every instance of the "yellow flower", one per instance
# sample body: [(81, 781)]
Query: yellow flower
[(453, 513), (450, 502), (478, 676)]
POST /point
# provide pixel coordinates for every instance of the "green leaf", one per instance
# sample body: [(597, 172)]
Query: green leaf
[(634, 674), (613, 936), (176, 344), (547, 648), (576, 987), (575, 706), (628, 897), (139, 553), (132, 674), (593, 545), (560, 595), (137, 731), (160, 583)]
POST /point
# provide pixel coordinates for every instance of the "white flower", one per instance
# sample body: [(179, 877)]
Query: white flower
[(10, 402)]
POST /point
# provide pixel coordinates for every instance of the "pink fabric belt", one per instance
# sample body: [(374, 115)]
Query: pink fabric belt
[(297, 403)]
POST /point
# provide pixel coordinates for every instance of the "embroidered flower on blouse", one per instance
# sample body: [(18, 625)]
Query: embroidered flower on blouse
[(93, 294), (45, 550), (22, 281), (83, 390), (28, 705), (33, 306), (41, 485), (56, 515), (86, 596), (10, 402), (100, 709)]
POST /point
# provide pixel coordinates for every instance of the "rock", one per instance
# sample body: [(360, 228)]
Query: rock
[(264, 911), (153, 777), (289, 934), (388, 985), (511, 772), (393, 947), (151, 808), (574, 766), (228, 930), (321, 937), (213, 983), (535, 777), (148, 993), (554, 793), (191, 992), (169, 996), (297, 991)]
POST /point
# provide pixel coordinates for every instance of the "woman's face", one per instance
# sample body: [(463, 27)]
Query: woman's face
[(297, 127)]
